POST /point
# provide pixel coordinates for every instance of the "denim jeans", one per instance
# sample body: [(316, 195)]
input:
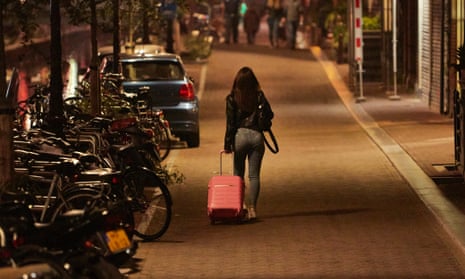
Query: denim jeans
[(273, 24), (232, 28), (249, 144)]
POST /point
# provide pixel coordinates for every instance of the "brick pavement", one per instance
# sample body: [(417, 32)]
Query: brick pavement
[(348, 230), (361, 221), (427, 138)]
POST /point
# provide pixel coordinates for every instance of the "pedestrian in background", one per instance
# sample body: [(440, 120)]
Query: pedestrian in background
[(251, 24), (293, 12), (242, 10), (231, 20), (275, 10), (169, 13), (243, 135)]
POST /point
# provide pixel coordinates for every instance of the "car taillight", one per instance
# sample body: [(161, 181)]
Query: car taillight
[(187, 91)]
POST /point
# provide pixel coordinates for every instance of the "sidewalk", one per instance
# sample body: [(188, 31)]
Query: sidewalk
[(426, 135), (418, 142)]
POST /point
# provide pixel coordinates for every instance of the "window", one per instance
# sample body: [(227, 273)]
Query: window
[(151, 70)]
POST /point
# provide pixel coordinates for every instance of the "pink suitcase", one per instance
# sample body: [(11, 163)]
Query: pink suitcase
[(225, 197)]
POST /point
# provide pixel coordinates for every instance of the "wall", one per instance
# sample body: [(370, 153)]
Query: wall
[(430, 63), (424, 65)]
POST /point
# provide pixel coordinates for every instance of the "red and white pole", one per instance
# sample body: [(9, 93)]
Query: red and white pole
[(358, 34)]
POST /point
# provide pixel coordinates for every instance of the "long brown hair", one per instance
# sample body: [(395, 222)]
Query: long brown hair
[(245, 89)]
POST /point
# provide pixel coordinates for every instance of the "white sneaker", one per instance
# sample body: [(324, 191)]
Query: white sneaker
[(251, 213)]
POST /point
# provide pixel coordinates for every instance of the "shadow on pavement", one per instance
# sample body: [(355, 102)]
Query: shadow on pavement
[(318, 212), (453, 188)]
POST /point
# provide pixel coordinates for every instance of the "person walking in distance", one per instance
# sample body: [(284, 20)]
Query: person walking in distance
[(251, 24), (243, 134), (275, 13), (293, 12), (169, 13), (231, 20)]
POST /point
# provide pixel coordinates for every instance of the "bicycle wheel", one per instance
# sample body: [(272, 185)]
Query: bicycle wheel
[(152, 203), (149, 156), (84, 198), (162, 139)]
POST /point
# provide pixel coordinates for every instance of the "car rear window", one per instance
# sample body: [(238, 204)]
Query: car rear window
[(151, 70)]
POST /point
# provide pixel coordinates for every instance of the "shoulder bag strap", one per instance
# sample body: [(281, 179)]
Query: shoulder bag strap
[(275, 148)]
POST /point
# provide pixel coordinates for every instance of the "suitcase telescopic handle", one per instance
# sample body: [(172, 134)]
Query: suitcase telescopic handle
[(221, 161)]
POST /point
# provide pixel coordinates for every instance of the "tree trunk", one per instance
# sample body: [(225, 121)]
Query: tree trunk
[(95, 101), (145, 23), (6, 117), (116, 43), (6, 146), (55, 118), (2, 53)]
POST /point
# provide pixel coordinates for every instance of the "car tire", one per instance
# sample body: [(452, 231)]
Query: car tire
[(193, 140)]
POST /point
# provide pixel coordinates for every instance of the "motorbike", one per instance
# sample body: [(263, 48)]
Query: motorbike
[(78, 244)]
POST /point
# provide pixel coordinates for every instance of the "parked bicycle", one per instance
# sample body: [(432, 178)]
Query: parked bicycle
[(70, 178), (92, 164)]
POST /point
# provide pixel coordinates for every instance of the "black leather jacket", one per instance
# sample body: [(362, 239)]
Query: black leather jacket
[(235, 119)]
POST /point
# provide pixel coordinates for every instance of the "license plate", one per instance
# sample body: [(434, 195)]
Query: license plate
[(117, 240)]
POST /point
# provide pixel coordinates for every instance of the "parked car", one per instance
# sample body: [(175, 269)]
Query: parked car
[(170, 88)]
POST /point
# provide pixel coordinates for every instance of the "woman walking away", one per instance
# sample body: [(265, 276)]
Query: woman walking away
[(244, 136)]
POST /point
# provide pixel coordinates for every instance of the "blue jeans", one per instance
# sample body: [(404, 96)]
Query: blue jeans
[(273, 24), (232, 28), (249, 144)]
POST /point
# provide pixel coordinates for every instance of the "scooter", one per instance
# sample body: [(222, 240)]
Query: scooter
[(78, 244)]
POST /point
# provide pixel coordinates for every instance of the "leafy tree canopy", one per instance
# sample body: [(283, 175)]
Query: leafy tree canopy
[(22, 17)]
